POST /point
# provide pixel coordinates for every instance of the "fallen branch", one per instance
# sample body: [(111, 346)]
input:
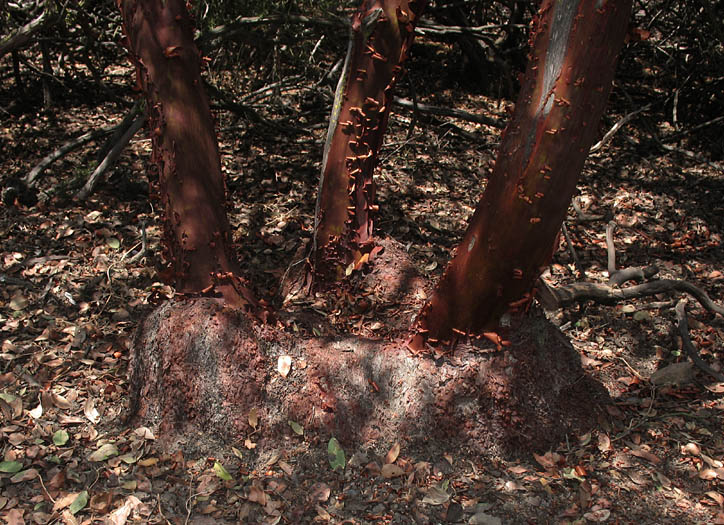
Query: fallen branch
[(110, 158), (63, 150), (689, 347), (618, 125), (22, 35), (572, 249), (447, 112), (424, 28), (618, 277), (570, 294)]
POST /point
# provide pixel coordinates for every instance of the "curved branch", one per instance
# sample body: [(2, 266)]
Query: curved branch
[(579, 292), (618, 277), (688, 346)]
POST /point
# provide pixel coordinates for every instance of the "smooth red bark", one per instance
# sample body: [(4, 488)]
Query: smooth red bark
[(185, 153), (511, 234), (380, 37)]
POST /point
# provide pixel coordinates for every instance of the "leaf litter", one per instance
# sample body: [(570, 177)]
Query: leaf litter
[(656, 456)]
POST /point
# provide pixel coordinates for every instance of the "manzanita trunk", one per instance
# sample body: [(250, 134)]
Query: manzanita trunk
[(197, 237), (380, 37), (511, 234)]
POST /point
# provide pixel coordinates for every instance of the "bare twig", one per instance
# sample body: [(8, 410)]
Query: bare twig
[(563, 296), (618, 125), (572, 249), (687, 344), (447, 112), (22, 35), (618, 277), (110, 158), (63, 150)]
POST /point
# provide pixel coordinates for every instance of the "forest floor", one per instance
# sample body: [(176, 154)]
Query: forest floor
[(73, 295)]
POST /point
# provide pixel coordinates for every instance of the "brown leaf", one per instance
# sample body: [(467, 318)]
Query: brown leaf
[(61, 402), (25, 475), (319, 492), (64, 501), (518, 469), (89, 409), (68, 518), (391, 471), (15, 517), (708, 474), (645, 454), (716, 497), (101, 502), (549, 460), (284, 365), (604, 443), (120, 515), (691, 449), (257, 495), (392, 454), (253, 418)]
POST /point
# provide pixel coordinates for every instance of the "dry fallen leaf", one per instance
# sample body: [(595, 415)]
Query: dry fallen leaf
[(648, 456), (253, 418), (15, 517), (257, 495), (392, 454), (25, 475), (120, 515), (391, 471), (89, 409), (604, 443), (319, 492), (716, 497), (101, 502), (436, 496), (284, 365)]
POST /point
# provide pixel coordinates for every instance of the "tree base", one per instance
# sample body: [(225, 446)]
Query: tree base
[(198, 369)]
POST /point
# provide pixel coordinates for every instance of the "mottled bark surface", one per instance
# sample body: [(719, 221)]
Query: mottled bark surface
[(511, 234), (185, 153), (198, 369), (380, 38)]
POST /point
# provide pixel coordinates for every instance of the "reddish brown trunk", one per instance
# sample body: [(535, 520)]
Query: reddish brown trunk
[(185, 154), (381, 35), (571, 66)]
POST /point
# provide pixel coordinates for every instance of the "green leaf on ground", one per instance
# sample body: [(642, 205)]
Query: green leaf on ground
[(60, 438), (221, 472), (10, 467), (297, 428), (336, 455), (106, 451), (79, 502)]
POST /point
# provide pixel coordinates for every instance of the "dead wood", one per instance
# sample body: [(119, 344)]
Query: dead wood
[(617, 126), (567, 295), (427, 109), (111, 157), (63, 150), (687, 344), (618, 277), (23, 34)]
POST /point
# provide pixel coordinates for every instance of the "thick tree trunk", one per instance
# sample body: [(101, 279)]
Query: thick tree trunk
[(185, 153), (380, 37), (511, 234)]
